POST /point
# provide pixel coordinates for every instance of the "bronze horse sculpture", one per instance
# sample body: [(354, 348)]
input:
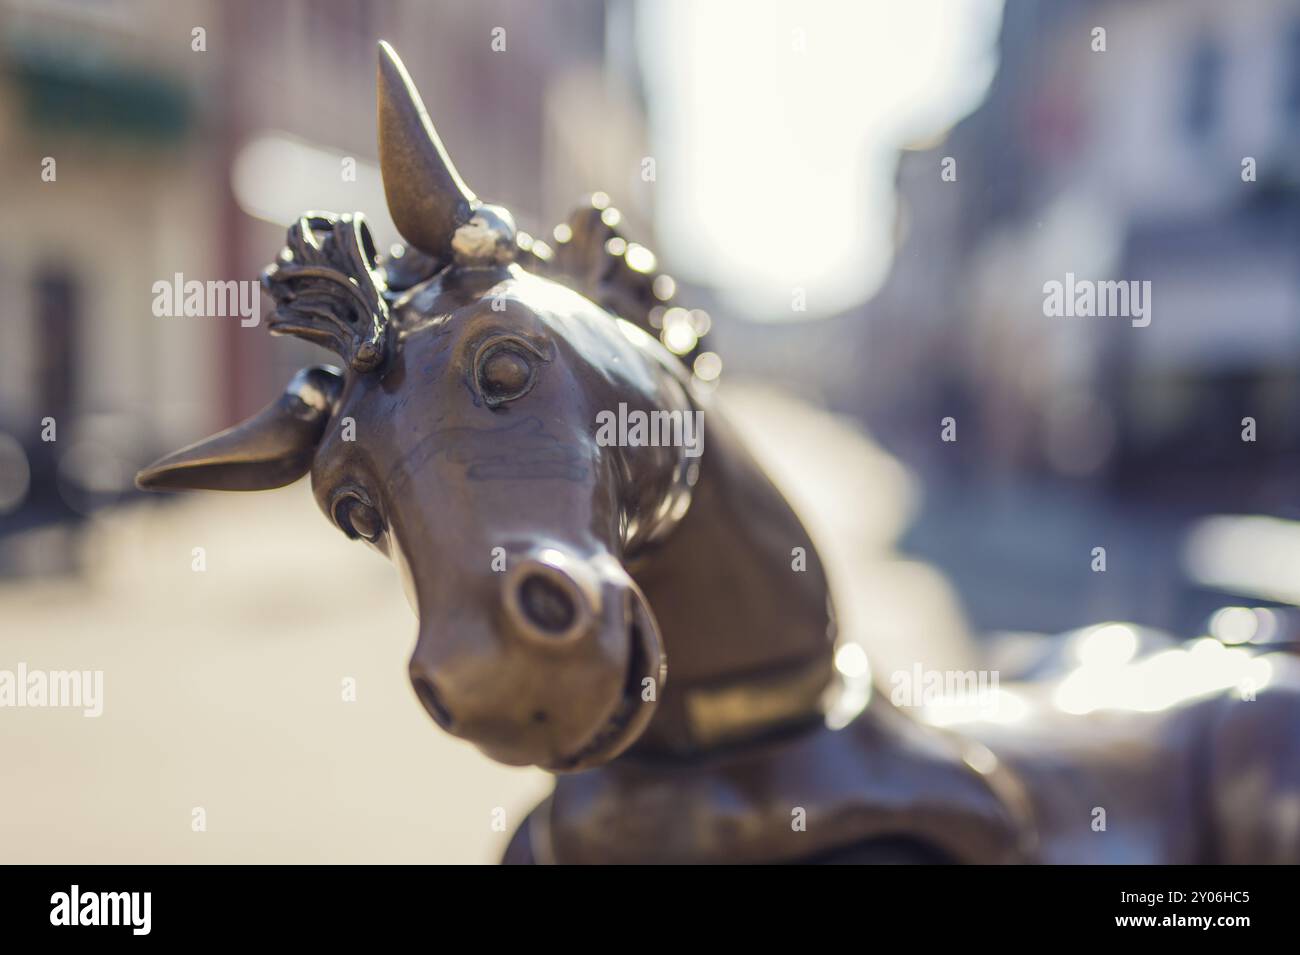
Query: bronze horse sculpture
[(625, 615)]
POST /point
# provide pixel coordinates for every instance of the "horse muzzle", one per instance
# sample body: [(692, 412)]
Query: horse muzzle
[(562, 671)]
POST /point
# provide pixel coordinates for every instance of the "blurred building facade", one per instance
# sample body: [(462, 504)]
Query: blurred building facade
[(1132, 163), (102, 139)]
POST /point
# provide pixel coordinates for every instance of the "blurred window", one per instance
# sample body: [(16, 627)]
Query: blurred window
[(1203, 86), (1292, 69), (58, 316)]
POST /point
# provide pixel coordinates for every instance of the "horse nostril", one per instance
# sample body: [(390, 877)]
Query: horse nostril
[(546, 604), (432, 701)]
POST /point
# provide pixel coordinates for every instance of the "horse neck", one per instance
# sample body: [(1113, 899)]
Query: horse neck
[(743, 607)]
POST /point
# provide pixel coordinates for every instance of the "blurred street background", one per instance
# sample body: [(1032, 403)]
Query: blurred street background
[(795, 193)]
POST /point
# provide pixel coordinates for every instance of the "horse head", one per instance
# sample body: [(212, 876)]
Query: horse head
[(459, 439)]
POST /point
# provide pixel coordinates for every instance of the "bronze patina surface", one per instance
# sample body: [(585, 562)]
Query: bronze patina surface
[(626, 616)]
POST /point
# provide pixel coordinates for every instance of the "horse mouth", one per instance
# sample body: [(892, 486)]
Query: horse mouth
[(630, 716)]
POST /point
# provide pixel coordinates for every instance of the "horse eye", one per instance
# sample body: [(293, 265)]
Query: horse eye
[(503, 374), (356, 518)]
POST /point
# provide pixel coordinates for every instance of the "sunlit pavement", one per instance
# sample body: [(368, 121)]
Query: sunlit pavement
[(224, 687), (223, 690)]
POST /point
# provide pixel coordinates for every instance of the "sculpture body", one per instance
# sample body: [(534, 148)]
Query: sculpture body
[(626, 615)]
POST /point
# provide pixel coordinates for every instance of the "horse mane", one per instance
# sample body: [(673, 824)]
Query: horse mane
[(590, 254)]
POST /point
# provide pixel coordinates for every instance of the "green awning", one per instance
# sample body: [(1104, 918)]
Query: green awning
[(97, 97)]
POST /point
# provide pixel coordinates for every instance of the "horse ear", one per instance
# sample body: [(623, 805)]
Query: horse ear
[(426, 196), (273, 448)]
